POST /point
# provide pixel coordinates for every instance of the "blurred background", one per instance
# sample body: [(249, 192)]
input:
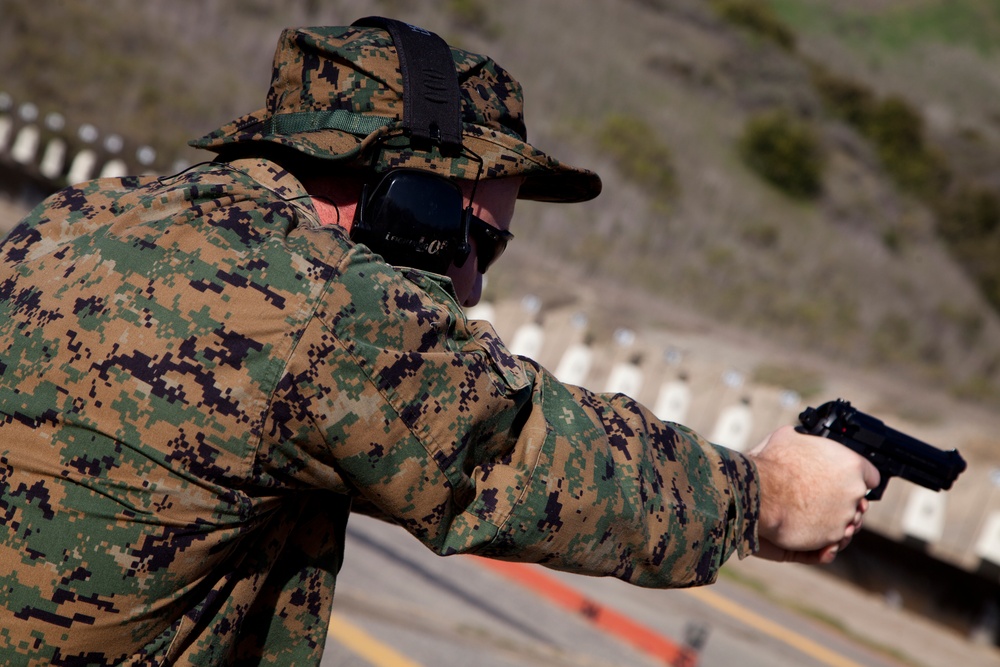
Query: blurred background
[(801, 202)]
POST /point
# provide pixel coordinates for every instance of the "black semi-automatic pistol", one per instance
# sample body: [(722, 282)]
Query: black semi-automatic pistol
[(895, 454)]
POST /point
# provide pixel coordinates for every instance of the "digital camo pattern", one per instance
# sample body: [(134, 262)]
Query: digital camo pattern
[(195, 382), (337, 94)]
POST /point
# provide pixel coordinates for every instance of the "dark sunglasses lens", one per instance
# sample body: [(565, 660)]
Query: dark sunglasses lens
[(490, 242)]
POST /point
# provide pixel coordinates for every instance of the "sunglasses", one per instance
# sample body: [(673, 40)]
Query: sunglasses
[(418, 218), (490, 241)]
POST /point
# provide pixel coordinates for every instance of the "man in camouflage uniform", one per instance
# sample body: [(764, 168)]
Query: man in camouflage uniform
[(199, 375)]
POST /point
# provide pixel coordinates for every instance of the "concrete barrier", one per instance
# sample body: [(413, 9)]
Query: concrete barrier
[(43, 155)]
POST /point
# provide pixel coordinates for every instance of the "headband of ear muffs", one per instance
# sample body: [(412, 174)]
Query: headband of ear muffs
[(411, 217)]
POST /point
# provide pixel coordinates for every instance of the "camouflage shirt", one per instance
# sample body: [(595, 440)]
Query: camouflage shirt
[(197, 381)]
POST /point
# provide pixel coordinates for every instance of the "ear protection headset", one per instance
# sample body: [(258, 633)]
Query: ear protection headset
[(412, 217)]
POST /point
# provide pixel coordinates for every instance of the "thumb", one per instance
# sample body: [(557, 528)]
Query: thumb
[(871, 475)]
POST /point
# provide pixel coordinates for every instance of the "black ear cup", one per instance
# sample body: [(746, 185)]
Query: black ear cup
[(414, 218)]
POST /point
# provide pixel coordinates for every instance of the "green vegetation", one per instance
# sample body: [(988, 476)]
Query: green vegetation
[(471, 16), (469, 12), (899, 26), (640, 155), (896, 130), (977, 389), (848, 99), (785, 151), (757, 18), (969, 220), (893, 126), (970, 213), (807, 384), (967, 213)]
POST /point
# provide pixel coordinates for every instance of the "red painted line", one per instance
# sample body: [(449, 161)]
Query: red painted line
[(610, 621)]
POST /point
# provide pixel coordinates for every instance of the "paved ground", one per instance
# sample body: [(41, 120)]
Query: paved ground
[(453, 611), (866, 617)]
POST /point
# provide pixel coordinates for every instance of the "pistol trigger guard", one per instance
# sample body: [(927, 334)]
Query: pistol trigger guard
[(876, 493)]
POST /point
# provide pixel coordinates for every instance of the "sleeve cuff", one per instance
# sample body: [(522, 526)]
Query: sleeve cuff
[(744, 487)]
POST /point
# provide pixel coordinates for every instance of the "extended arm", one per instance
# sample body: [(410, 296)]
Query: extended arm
[(394, 398)]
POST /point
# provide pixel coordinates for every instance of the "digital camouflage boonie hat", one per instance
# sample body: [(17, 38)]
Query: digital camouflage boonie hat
[(337, 94)]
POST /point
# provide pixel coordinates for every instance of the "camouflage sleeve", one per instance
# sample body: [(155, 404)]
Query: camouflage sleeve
[(392, 395), (628, 495)]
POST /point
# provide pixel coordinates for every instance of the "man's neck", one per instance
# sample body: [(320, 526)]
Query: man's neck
[(335, 199)]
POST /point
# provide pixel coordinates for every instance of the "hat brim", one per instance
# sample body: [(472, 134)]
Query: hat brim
[(545, 178)]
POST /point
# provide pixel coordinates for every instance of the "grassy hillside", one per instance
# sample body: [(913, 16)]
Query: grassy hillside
[(884, 259)]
